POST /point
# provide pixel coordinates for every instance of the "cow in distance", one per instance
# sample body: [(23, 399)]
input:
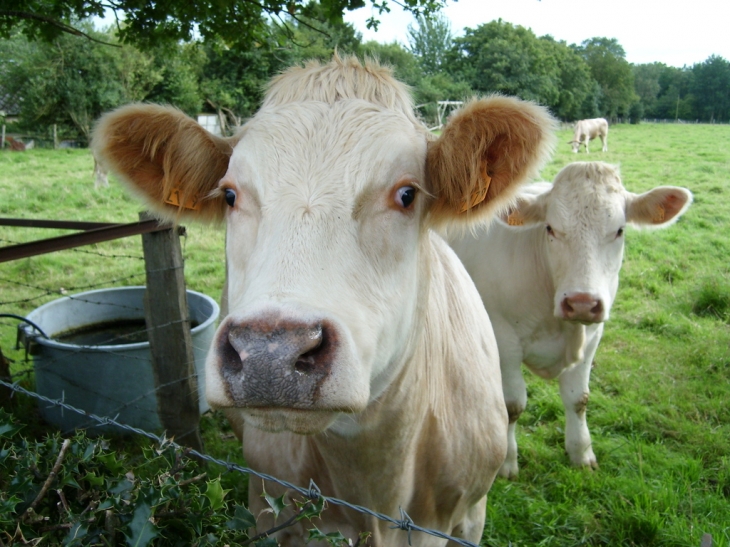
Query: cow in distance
[(587, 130)]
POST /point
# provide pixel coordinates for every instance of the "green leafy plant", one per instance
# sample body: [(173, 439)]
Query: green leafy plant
[(79, 491)]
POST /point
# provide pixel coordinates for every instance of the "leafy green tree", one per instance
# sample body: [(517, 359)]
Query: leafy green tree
[(675, 100), (501, 57), (150, 23), (711, 87), (71, 82), (609, 67), (430, 42), (181, 67), (647, 86), (578, 92)]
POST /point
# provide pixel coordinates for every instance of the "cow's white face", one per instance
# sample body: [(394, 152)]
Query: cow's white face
[(583, 216), (584, 232), (324, 224)]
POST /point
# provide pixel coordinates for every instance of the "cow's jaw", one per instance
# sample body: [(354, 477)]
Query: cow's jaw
[(322, 289)]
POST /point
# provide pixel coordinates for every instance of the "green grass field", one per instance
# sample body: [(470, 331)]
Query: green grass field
[(659, 411)]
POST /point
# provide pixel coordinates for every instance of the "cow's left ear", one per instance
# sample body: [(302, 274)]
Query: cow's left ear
[(486, 150), (659, 207)]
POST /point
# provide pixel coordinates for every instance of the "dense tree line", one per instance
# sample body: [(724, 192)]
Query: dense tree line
[(69, 80)]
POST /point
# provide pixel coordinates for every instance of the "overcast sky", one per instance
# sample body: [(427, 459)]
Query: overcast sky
[(674, 32)]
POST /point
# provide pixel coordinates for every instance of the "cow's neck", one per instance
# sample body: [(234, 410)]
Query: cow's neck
[(410, 432)]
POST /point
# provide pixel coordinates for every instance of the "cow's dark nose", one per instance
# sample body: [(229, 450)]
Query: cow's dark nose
[(582, 307), (276, 363)]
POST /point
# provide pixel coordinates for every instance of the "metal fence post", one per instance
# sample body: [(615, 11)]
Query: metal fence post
[(171, 346)]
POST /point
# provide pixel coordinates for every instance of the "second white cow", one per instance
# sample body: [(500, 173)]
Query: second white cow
[(548, 272), (587, 130)]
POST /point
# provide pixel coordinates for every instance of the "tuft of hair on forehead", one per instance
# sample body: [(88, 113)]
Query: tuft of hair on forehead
[(341, 79), (594, 171)]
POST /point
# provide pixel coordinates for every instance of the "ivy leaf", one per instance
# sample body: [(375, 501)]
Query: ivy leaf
[(243, 519), (143, 531), (215, 494)]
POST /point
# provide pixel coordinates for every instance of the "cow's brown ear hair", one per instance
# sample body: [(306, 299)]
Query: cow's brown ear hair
[(165, 157), (488, 148)]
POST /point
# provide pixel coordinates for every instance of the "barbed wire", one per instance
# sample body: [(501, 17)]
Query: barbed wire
[(61, 290), (313, 492)]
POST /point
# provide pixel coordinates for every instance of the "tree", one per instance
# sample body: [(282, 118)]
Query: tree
[(71, 82), (609, 67), (675, 101), (501, 57), (578, 91), (647, 86), (150, 23), (430, 42), (711, 88), (181, 67)]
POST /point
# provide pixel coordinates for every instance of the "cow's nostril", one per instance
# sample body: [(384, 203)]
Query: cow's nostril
[(307, 361)]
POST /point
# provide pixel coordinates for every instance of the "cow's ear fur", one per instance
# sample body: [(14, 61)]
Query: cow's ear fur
[(166, 158), (659, 207), (487, 149)]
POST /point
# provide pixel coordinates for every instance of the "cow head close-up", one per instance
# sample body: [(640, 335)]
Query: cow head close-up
[(327, 197)]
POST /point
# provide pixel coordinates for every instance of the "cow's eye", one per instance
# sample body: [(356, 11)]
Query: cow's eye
[(620, 232), (549, 230), (405, 195), (230, 196)]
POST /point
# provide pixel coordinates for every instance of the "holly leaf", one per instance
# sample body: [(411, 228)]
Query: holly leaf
[(216, 494), (242, 519), (143, 531)]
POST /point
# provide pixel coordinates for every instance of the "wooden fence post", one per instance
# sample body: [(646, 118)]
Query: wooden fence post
[(5, 393), (171, 346)]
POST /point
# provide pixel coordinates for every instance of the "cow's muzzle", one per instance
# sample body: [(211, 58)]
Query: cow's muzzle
[(275, 363), (582, 307)]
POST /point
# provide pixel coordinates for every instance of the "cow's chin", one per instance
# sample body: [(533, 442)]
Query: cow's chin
[(301, 422)]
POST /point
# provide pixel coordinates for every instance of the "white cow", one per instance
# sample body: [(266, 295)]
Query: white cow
[(355, 348), (548, 273), (587, 130)]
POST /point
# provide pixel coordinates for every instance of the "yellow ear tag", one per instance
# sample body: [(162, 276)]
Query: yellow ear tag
[(479, 195), (174, 199), (658, 215), (515, 219)]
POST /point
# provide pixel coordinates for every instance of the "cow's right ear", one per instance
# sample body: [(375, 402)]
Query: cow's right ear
[(525, 210), (166, 158)]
